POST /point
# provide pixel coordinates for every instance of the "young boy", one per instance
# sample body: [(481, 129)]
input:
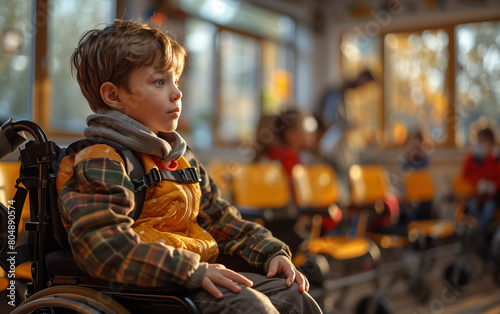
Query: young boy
[(129, 73)]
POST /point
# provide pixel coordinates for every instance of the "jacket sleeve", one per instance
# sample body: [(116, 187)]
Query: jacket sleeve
[(95, 203), (235, 236), (468, 172)]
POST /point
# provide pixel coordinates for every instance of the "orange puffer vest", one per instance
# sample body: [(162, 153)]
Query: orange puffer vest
[(170, 208)]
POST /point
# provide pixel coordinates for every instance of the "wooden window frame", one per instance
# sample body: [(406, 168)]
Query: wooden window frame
[(42, 85), (449, 28)]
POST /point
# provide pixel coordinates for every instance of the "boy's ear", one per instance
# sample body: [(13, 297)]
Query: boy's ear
[(110, 95)]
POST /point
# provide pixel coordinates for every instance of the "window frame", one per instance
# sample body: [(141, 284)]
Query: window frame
[(40, 109), (42, 84), (449, 28), (217, 74)]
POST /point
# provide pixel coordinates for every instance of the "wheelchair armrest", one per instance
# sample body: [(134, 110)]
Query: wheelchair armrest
[(62, 263)]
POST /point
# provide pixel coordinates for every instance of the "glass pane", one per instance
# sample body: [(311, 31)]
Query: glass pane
[(68, 21), (278, 66), (198, 83), (362, 101), (415, 83), (243, 16), (477, 79), (239, 91), (16, 40)]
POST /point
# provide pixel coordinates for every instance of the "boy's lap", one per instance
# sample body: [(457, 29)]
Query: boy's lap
[(267, 295), (248, 300)]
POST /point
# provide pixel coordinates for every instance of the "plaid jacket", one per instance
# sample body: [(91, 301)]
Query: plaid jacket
[(95, 201)]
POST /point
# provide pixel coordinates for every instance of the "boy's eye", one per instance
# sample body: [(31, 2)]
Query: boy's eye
[(177, 83), (160, 82)]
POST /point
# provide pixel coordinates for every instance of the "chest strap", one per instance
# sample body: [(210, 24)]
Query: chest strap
[(155, 176)]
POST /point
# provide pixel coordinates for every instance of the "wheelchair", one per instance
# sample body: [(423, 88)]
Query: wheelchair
[(58, 284), (480, 251)]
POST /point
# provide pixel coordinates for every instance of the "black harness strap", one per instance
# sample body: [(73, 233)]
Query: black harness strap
[(133, 165), (187, 175), (136, 172)]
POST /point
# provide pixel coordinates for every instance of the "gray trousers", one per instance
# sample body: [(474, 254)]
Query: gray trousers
[(265, 296)]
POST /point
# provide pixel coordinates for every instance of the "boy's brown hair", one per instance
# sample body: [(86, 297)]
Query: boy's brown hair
[(111, 54)]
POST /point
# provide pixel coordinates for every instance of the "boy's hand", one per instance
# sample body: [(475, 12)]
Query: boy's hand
[(281, 264), (218, 274)]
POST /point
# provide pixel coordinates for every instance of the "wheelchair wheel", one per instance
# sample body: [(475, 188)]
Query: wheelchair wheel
[(475, 265), (495, 246), (316, 268), (457, 276), (373, 305), (420, 289), (496, 276), (91, 298), (55, 303)]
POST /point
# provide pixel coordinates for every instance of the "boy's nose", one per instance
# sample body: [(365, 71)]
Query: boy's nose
[(175, 95)]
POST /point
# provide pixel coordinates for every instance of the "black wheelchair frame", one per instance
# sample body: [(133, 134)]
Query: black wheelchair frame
[(57, 282)]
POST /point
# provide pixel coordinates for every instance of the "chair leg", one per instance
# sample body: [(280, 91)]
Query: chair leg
[(344, 290)]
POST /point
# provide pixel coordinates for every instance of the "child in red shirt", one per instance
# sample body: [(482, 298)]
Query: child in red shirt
[(482, 169)]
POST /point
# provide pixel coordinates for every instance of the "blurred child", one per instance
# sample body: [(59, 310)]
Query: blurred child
[(481, 169), (291, 140), (415, 159)]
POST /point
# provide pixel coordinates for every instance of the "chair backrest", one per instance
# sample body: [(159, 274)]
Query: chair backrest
[(221, 173), (419, 186), (315, 186), (462, 188), (261, 185), (9, 172), (369, 183)]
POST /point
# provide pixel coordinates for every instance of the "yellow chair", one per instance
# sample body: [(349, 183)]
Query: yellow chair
[(369, 184), (419, 187), (315, 186), (258, 186), (9, 172), (462, 188), (369, 188), (221, 172)]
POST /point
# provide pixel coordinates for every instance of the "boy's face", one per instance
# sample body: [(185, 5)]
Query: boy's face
[(154, 100)]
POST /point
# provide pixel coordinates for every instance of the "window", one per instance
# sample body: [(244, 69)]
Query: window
[(241, 64), (16, 45), (363, 103), (68, 20), (198, 83), (278, 62), (243, 16), (239, 102), (58, 25), (415, 85), (429, 75), (477, 92)]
